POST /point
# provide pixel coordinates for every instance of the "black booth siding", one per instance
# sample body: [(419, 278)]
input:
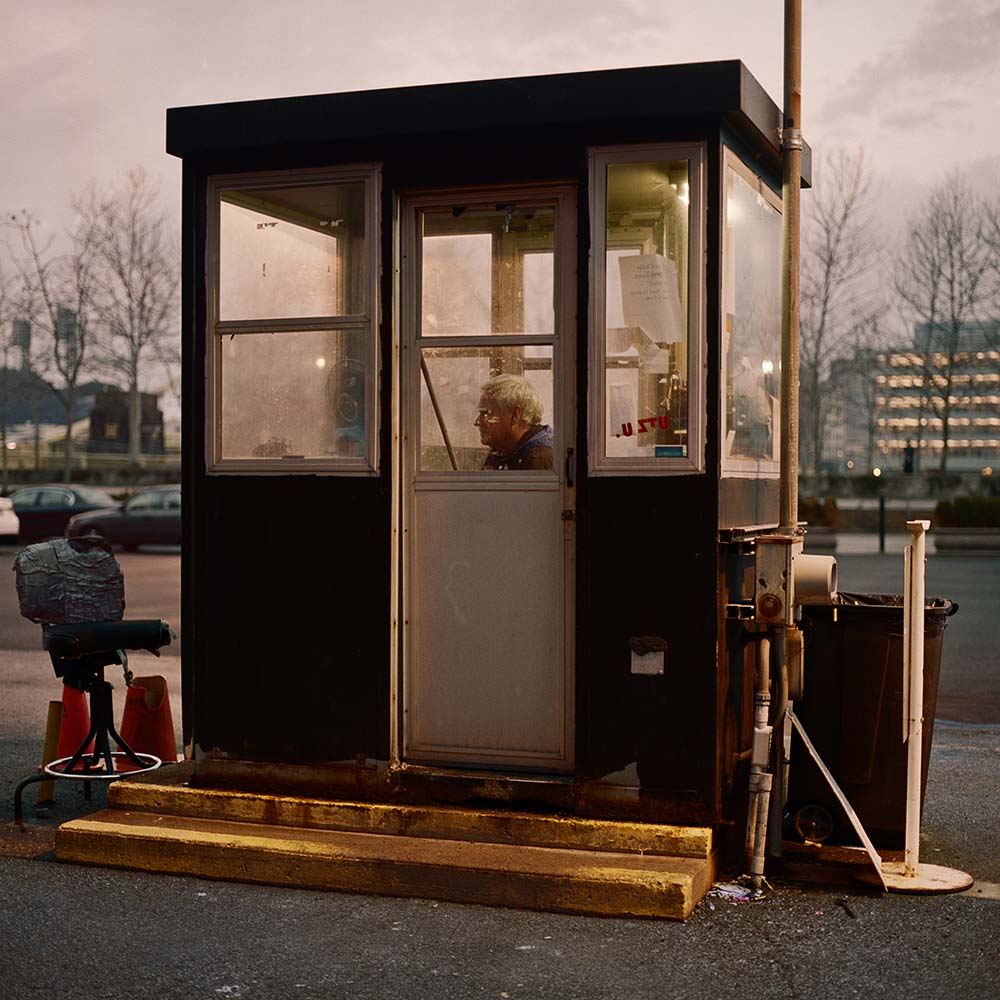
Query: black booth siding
[(286, 579)]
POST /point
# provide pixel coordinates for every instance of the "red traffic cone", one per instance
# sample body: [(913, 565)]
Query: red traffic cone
[(147, 725), (75, 723)]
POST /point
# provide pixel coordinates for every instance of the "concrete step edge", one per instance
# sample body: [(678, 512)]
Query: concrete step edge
[(528, 877), (442, 822)]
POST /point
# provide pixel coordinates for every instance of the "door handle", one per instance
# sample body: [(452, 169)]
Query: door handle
[(570, 466)]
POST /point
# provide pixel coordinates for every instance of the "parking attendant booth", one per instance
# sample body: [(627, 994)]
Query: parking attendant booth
[(481, 392)]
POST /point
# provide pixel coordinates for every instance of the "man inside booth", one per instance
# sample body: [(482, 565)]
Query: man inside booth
[(510, 425)]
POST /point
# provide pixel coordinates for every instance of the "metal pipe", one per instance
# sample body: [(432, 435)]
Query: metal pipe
[(914, 657), (760, 779), (437, 411), (779, 753), (791, 147)]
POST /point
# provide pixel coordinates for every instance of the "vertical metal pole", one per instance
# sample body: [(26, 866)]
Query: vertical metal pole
[(881, 523), (437, 413), (53, 724), (910, 875), (791, 146), (914, 654), (760, 778)]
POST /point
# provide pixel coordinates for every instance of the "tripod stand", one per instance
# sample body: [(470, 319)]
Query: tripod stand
[(87, 674)]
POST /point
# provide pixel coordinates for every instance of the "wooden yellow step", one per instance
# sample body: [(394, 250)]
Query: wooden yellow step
[(498, 826), (532, 877)]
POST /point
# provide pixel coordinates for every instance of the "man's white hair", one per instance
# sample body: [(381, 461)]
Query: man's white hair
[(510, 392)]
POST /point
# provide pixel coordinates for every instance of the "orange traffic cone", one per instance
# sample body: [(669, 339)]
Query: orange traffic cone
[(75, 722), (147, 725)]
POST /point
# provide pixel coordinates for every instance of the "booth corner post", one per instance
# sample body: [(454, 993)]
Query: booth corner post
[(775, 613), (791, 152)]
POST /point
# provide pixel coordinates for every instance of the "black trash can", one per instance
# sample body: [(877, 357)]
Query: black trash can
[(852, 709)]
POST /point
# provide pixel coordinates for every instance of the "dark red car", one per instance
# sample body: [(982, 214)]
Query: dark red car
[(151, 516)]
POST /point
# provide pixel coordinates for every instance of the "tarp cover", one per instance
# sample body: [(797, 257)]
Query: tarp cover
[(69, 580)]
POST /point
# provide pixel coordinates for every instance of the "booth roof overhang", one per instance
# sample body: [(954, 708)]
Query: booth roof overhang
[(725, 90)]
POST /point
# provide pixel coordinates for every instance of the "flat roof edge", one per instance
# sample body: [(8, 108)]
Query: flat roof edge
[(722, 89)]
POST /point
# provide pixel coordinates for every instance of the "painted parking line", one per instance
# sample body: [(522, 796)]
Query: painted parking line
[(983, 890)]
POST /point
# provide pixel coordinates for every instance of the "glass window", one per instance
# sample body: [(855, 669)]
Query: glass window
[(487, 337), (298, 395), (54, 498), (292, 251), (94, 495), (751, 324), (294, 350), (486, 408), (487, 271), (146, 501), (648, 370)]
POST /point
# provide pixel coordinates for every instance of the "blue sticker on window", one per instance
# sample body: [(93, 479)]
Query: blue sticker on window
[(668, 451)]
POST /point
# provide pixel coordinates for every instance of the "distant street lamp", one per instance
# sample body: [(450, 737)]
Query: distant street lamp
[(877, 473)]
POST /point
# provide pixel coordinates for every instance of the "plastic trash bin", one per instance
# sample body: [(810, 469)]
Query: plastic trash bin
[(852, 709)]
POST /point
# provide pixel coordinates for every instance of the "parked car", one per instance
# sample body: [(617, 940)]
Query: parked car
[(9, 523), (151, 516), (44, 510)]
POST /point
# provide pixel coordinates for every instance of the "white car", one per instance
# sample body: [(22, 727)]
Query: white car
[(9, 524)]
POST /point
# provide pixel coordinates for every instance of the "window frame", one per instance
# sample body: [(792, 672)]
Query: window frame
[(740, 468), (560, 340), (367, 322), (599, 159)]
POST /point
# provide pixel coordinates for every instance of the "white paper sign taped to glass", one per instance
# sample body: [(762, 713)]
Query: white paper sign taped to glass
[(650, 298)]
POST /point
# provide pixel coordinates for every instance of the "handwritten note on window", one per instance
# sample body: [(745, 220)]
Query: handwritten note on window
[(650, 298)]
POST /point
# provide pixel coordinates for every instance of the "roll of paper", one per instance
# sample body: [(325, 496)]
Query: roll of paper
[(815, 579)]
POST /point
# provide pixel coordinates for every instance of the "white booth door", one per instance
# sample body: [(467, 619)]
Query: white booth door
[(487, 428)]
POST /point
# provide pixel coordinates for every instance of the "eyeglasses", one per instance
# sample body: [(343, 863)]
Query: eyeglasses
[(486, 417)]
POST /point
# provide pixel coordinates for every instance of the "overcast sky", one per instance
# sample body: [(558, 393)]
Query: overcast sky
[(84, 83)]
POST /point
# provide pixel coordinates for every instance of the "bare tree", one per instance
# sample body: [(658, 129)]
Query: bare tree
[(839, 254), (991, 237), (944, 279), (60, 290), (865, 395), (6, 345), (136, 285)]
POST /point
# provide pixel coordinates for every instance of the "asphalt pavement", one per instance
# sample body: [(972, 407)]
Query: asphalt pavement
[(72, 931)]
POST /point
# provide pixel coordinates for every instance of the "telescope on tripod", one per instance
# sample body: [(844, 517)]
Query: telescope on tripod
[(75, 590)]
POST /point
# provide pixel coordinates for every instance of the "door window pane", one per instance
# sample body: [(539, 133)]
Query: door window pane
[(294, 395), (751, 323), (646, 310), (486, 271), (486, 408), (292, 252)]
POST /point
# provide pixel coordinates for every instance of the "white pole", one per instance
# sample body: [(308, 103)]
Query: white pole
[(913, 706), (910, 875)]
